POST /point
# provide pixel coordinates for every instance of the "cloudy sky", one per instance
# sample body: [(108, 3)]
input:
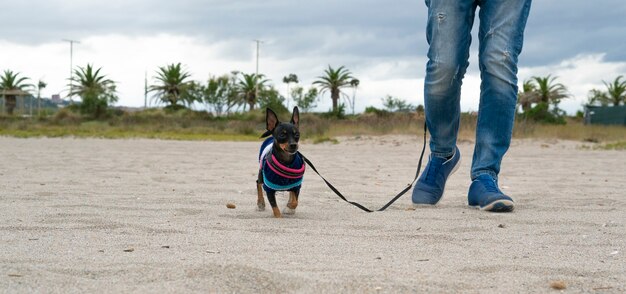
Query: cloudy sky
[(381, 42)]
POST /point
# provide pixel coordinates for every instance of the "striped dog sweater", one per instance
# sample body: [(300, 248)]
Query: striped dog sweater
[(276, 176)]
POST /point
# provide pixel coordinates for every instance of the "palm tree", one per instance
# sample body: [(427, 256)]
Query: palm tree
[(616, 91), (354, 83), (234, 99), (548, 91), (95, 90), (528, 96), (543, 91), (248, 87), (597, 97), (40, 86), (334, 81), (11, 86), (172, 86), (291, 78)]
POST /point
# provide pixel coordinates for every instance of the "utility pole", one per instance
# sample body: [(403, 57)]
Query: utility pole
[(71, 65), (256, 76)]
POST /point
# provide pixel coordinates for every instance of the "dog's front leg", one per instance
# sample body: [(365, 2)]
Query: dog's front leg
[(292, 203), (271, 197), (260, 202)]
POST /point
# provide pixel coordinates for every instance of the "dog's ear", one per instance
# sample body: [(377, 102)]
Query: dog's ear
[(295, 117), (271, 122)]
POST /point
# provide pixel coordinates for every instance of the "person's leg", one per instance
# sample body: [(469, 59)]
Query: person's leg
[(448, 33), (500, 37)]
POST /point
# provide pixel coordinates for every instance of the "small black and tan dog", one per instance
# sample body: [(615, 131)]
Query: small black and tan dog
[(281, 167)]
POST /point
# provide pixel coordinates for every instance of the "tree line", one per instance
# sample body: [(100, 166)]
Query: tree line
[(172, 86), (539, 97)]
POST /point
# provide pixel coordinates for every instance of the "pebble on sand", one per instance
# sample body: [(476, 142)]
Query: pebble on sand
[(558, 285)]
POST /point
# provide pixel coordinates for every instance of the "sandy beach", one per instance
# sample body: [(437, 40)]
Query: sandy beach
[(119, 216)]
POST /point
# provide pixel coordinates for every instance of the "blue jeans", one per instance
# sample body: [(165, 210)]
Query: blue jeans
[(500, 37)]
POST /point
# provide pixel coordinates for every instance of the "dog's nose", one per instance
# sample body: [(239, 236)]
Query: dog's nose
[(293, 146)]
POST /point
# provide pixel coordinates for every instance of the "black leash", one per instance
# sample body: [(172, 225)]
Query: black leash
[(419, 167)]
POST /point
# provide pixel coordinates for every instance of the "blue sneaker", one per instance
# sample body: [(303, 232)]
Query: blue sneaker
[(485, 195), (431, 184)]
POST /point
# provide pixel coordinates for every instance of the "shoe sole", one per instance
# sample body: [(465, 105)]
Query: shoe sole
[(454, 169), (498, 206)]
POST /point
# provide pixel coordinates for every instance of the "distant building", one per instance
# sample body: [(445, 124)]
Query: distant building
[(605, 115), (56, 98)]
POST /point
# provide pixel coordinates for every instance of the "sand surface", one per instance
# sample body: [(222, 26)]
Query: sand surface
[(92, 215)]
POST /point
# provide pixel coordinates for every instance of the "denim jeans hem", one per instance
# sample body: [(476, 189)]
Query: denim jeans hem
[(484, 172), (442, 155)]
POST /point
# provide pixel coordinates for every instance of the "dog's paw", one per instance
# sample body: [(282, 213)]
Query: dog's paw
[(260, 207), (289, 211)]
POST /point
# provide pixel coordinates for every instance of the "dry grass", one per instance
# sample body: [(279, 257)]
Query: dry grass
[(576, 131), (190, 125), (613, 137)]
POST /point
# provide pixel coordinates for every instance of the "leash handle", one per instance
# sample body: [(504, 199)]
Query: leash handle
[(419, 167)]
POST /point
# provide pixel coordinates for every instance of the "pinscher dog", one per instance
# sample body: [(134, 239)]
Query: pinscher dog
[(281, 167)]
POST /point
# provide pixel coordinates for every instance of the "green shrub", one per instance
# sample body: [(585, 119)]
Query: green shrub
[(542, 113), (66, 116), (339, 113), (376, 111)]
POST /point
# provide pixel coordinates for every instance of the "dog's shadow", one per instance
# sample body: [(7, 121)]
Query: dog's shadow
[(252, 213)]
